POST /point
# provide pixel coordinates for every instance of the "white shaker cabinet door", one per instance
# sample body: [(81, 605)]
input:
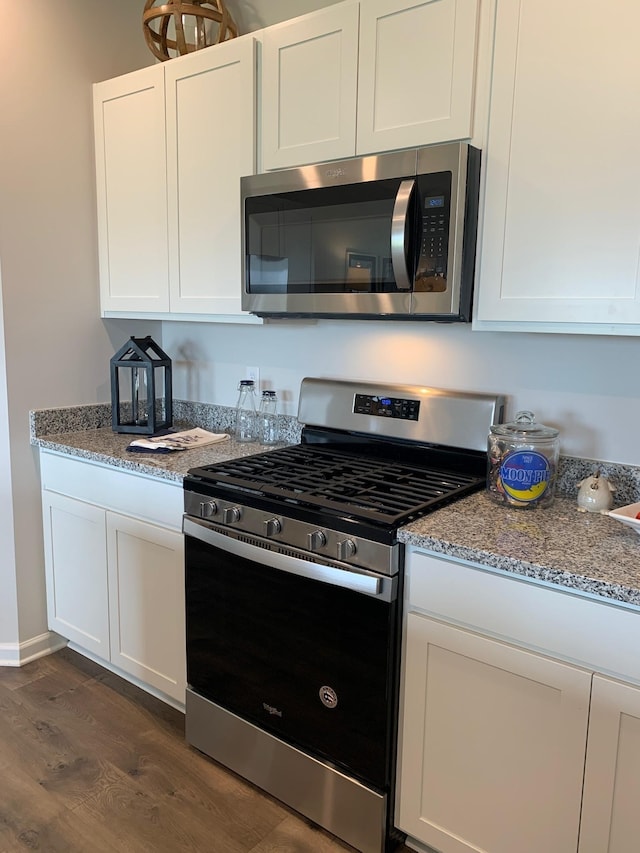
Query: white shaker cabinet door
[(131, 191), (560, 237), (210, 144), (309, 84), (493, 740), (146, 603), (75, 550), (416, 72), (612, 771)]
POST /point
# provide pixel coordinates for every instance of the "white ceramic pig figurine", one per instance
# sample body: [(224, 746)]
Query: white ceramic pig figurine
[(595, 494)]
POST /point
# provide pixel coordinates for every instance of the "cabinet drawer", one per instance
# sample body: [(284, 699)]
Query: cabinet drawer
[(112, 488), (559, 623)]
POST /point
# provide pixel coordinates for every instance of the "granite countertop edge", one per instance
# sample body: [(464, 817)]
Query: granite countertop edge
[(615, 592), (587, 553), (135, 464)]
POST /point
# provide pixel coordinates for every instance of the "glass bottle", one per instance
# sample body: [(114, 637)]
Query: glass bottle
[(246, 411), (268, 431)]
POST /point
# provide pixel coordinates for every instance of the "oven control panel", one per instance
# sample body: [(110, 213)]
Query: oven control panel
[(324, 543), (386, 407)]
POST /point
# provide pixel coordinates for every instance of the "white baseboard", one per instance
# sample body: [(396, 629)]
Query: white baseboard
[(18, 654)]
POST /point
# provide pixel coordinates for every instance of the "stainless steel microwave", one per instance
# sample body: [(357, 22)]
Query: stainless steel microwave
[(390, 236)]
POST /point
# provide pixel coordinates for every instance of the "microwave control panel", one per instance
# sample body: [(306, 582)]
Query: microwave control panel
[(435, 214), (386, 407)]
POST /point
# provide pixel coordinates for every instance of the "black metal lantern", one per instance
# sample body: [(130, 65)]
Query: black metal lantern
[(141, 400)]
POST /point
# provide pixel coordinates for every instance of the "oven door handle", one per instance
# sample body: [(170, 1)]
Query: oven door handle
[(362, 582), (399, 234)]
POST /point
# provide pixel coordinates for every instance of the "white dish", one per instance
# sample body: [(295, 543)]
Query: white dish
[(627, 515)]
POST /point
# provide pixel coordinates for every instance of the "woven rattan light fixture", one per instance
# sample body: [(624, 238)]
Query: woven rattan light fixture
[(173, 27)]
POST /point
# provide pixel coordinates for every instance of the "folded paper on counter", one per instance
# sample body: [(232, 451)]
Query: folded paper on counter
[(185, 440)]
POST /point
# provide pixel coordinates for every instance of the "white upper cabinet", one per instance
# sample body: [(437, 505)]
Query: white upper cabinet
[(560, 243), (131, 191), (360, 78), (309, 85), (416, 72), (172, 142), (210, 97)]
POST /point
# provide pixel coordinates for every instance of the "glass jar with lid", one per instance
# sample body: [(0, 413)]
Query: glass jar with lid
[(522, 462)]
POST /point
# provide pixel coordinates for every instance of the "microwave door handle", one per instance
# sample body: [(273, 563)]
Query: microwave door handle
[(399, 234)]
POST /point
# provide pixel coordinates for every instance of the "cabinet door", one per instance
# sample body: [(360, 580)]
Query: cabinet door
[(416, 72), (75, 548), (210, 145), (132, 192), (612, 772), (492, 744), (309, 82), (560, 239), (146, 603)]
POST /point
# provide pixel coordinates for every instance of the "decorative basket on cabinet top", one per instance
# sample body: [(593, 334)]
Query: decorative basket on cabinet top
[(174, 28)]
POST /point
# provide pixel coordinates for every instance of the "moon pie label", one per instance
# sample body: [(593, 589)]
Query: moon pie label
[(525, 475)]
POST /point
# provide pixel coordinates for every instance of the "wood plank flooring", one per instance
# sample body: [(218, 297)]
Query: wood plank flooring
[(90, 763)]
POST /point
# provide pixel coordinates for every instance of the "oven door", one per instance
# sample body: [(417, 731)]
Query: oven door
[(304, 651)]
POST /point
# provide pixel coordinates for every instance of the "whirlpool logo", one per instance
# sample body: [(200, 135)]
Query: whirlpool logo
[(271, 710), (335, 173)]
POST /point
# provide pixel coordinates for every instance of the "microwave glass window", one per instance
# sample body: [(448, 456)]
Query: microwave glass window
[(329, 240)]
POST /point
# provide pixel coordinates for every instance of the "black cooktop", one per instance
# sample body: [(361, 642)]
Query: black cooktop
[(381, 489)]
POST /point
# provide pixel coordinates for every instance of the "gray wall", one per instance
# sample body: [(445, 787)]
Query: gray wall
[(251, 15), (55, 349)]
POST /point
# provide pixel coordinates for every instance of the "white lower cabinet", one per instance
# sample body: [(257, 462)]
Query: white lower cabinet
[(115, 582), (146, 602), (520, 715), (493, 744), (612, 771), (75, 542)]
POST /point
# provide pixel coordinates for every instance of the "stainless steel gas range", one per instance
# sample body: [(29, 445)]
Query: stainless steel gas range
[(294, 582)]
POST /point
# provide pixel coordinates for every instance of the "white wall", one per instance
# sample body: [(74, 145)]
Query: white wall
[(251, 15), (8, 593), (56, 349), (587, 386)]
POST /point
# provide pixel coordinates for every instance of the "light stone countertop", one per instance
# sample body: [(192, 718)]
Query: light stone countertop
[(85, 432), (585, 552), (109, 448)]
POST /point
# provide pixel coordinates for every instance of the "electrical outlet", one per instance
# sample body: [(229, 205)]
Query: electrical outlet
[(253, 373)]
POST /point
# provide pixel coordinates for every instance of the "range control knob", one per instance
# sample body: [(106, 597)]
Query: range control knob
[(317, 540), (208, 508), (347, 548), (231, 514), (272, 526)]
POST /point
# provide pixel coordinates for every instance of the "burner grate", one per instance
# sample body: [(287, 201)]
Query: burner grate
[(373, 489)]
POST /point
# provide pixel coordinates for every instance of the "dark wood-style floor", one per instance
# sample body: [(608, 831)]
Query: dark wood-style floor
[(90, 763)]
